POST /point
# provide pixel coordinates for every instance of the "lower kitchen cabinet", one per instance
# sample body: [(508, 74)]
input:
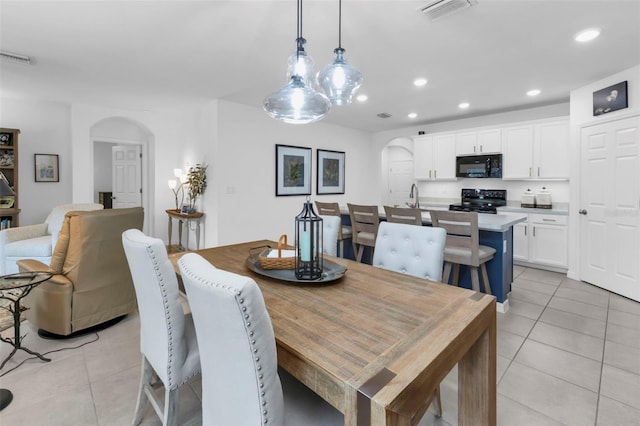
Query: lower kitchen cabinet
[(541, 241)]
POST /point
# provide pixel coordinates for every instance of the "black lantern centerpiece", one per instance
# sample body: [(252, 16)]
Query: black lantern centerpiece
[(308, 244)]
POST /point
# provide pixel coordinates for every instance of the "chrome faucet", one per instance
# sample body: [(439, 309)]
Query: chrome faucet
[(417, 203)]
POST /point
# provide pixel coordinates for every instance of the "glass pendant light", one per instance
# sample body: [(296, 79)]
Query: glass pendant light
[(298, 102), (339, 80)]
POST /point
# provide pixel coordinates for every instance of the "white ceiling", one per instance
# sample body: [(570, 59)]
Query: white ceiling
[(149, 54)]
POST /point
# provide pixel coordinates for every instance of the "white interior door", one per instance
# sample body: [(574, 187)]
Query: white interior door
[(610, 206), (127, 176), (401, 176)]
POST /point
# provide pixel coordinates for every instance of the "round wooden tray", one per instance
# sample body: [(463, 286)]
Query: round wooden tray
[(331, 271)]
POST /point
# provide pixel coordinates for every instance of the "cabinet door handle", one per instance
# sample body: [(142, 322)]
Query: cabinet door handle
[(435, 174), (525, 231), (538, 171), (429, 174), (529, 171), (481, 148), (548, 220), (474, 148), (534, 231), (582, 211)]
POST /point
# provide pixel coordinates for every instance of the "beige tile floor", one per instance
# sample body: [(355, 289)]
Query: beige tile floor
[(568, 353)]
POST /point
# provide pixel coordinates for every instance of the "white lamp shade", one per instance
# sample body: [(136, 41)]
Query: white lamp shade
[(297, 103), (339, 80)]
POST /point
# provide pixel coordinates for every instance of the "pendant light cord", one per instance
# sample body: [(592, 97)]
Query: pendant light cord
[(339, 24)]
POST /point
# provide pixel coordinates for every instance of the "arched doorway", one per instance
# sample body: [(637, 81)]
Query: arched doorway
[(397, 171)]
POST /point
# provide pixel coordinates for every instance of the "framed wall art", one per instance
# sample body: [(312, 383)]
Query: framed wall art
[(46, 167), (610, 99), (330, 169), (293, 170)]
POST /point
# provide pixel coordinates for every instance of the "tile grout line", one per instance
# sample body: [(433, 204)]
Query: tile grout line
[(604, 347)]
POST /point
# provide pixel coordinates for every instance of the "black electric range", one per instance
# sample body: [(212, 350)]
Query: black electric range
[(480, 200)]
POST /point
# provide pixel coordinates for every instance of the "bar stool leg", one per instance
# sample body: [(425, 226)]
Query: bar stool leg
[(475, 282), (485, 278)]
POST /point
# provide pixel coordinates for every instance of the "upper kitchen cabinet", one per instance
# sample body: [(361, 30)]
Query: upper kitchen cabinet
[(478, 142), (434, 157), (539, 150)]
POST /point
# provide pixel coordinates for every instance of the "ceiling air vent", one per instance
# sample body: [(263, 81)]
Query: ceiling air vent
[(436, 9), (384, 115)]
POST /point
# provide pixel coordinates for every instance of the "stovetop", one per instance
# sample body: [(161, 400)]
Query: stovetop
[(481, 200)]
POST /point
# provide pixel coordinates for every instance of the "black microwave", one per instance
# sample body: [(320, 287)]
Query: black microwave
[(479, 166)]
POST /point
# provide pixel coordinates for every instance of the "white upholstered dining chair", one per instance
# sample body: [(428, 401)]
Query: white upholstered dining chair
[(240, 381), (167, 337), (330, 230), (410, 249)]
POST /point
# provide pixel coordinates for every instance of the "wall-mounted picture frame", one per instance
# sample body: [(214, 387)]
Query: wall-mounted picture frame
[(46, 168), (330, 168), (610, 99), (293, 170)]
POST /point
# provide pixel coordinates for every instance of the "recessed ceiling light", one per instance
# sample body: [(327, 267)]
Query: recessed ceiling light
[(362, 98), (419, 82), (533, 92), (464, 105), (587, 35), (412, 115)]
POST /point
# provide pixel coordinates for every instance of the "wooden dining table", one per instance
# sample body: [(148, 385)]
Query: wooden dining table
[(376, 344)]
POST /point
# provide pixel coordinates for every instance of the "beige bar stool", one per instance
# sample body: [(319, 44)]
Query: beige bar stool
[(403, 215), (344, 231), (462, 246), (364, 225)]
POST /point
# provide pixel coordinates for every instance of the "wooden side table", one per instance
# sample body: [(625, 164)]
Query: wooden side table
[(184, 218)]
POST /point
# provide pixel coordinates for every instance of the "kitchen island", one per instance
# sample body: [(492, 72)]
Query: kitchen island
[(496, 230)]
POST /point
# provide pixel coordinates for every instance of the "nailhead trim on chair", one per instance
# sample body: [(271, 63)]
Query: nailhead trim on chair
[(165, 301)]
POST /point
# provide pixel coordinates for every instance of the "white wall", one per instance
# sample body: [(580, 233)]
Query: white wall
[(44, 129), (582, 115), (245, 171)]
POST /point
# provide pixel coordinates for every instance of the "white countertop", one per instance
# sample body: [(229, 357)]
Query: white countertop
[(486, 222)]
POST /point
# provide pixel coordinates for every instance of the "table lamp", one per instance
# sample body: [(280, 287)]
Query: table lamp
[(7, 196)]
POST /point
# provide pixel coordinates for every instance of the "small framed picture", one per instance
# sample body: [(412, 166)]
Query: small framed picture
[(293, 170), (330, 179), (610, 99), (46, 167)]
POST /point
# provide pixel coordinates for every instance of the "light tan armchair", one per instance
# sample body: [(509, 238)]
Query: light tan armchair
[(35, 241), (92, 283)]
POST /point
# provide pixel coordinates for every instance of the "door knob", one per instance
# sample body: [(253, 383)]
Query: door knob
[(582, 211)]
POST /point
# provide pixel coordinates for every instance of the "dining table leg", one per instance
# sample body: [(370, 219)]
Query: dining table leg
[(477, 381)]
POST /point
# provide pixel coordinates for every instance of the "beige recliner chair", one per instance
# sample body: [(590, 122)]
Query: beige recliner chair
[(92, 283), (35, 241)]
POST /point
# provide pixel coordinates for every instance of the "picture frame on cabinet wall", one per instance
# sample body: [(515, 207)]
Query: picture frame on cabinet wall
[(330, 170), (610, 99), (46, 167), (293, 170)]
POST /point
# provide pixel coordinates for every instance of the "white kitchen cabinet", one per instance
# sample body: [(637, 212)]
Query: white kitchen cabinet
[(549, 238), (517, 152), (536, 151), (478, 142), (521, 241), (434, 157), (541, 241), (551, 150)]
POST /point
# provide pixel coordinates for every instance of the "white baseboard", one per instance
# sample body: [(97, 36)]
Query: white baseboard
[(502, 307)]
